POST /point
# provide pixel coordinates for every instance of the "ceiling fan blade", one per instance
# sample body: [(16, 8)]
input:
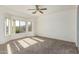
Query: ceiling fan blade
[(37, 7), (41, 12), (34, 12), (43, 9), (31, 9)]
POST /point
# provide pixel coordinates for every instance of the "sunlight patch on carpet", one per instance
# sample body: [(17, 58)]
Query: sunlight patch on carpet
[(23, 44), (38, 39), (9, 49), (30, 41)]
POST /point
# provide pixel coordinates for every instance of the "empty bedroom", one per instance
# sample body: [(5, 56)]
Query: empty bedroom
[(38, 29)]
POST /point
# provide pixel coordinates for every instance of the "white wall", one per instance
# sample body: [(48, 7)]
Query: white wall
[(59, 25)]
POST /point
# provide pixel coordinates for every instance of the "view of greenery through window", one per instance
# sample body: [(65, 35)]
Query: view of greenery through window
[(20, 26), (17, 26)]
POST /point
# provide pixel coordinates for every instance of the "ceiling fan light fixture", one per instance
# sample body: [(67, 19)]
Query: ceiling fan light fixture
[(38, 9)]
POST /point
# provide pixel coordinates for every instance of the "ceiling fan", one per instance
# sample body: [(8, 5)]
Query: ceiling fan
[(37, 9)]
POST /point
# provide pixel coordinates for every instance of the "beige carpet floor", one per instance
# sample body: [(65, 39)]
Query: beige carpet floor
[(38, 45)]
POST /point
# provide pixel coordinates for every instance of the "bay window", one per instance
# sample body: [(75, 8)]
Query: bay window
[(17, 26)]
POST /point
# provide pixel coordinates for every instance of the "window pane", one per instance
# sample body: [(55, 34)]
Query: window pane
[(22, 26), (29, 26), (7, 26), (17, 23), (17, 26), (13, 26)]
